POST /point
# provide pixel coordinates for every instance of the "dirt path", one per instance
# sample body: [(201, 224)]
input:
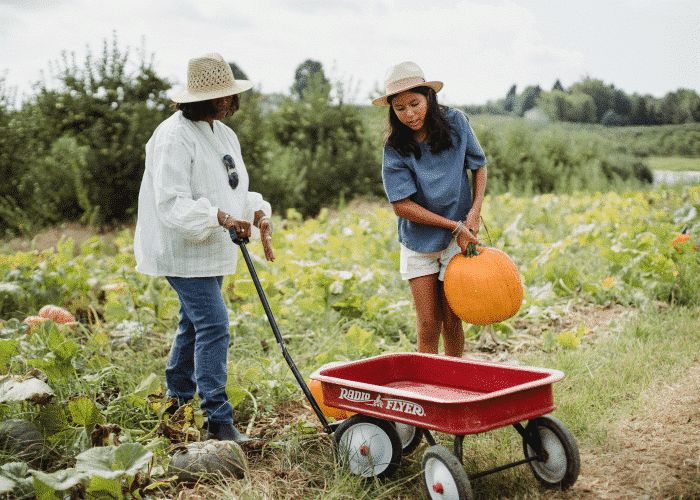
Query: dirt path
[(654, 455)]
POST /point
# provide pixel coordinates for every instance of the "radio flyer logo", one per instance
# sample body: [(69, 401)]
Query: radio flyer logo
[(397, 405)]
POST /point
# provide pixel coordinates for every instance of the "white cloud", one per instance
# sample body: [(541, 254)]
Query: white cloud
[(477, 48)]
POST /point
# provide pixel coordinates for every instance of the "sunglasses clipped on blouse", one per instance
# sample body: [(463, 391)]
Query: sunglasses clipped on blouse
[(231, 169)]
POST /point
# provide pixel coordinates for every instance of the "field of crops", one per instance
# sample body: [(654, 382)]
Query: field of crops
[(336, 294)]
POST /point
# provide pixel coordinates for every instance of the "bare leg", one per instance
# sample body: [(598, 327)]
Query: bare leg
[(452, 331), (426, 296)]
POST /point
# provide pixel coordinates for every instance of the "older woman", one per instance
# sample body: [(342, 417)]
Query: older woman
[(195, 187)]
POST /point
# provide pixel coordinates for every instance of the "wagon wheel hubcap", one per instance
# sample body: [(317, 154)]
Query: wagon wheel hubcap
[(437, 474), (554, 468), (368, 449)]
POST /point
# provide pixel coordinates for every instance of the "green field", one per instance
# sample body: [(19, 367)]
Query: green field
[(674, 163)]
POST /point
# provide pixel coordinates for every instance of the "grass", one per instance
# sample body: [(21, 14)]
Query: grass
[(674, 163), (604, 379)]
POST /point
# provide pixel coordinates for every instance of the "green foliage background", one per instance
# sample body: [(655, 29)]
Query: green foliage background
[(74, 150)]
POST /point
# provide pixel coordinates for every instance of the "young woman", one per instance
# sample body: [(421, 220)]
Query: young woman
[(428, 153), (194, 190)]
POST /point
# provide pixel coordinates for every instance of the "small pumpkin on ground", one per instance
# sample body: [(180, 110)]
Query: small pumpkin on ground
[(483, 286), (32, 321), (328, 411), (208, 460), (57, 314), (21, 439)]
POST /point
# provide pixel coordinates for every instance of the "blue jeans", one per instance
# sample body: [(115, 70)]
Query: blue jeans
[(197, 359)]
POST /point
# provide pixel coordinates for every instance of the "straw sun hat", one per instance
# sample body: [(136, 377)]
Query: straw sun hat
[(210, 77), (401, 77)]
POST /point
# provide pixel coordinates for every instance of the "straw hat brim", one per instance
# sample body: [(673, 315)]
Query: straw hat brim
[(382, 101), (187, 96)]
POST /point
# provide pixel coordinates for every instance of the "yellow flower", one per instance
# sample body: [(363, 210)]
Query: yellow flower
[(247, 307)]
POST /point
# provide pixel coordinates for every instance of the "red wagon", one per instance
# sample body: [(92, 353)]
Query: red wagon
[(398, 399)]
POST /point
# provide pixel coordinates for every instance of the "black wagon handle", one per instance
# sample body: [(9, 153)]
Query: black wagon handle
[(241, 242)]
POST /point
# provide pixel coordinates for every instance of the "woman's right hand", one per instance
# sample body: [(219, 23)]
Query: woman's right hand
[(466, 237), (227, 222)]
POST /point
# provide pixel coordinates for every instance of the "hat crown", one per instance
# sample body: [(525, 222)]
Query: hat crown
[(209, 73), (403, 71)]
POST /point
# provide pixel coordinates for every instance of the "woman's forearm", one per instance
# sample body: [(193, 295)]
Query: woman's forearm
[(478, 188), (410, 210)]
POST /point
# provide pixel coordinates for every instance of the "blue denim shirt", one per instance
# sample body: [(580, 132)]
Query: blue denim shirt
[(438, 182)]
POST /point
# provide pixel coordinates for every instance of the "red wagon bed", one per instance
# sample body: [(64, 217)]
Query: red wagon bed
[(453, 395)]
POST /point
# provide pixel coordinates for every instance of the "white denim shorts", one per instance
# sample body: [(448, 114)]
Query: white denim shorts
[(413, 264)]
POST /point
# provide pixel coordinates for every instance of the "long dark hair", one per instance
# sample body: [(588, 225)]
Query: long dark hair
[(200, 110), (400, 137)]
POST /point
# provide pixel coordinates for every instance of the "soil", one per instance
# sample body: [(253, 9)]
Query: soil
[(653, 455)]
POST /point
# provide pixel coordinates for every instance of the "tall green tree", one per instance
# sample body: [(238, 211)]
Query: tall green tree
[(309, 74), (510, 99)]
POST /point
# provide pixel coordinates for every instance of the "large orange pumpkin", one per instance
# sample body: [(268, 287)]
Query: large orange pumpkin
[(483, 287)]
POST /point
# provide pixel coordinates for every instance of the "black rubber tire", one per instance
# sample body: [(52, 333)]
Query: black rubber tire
[(441, 469), (410, 435), (563, 464), (382, 444)]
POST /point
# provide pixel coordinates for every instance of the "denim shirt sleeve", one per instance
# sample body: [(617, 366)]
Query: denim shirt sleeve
[(474, 157), (399, 180)]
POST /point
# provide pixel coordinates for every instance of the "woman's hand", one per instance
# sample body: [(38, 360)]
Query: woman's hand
[(227, 222), (262, 222), (472, 222), (266, 238), (466, 237)]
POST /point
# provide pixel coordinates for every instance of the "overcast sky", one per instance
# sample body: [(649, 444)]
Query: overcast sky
[(478, 48)]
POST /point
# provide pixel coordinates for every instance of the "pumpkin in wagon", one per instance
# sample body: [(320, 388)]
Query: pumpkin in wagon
[(483, 286)]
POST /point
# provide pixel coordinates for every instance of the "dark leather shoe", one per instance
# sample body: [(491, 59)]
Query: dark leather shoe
[(226, 432)]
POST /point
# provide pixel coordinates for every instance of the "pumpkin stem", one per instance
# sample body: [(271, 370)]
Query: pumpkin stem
[(471, 250)]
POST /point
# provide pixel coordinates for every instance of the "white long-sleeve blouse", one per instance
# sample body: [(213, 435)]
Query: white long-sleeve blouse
[(184, 185)]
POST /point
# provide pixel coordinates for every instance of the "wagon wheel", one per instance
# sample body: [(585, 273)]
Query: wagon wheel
[(444, 477), (368, 446), (562, 463), (410, 435)]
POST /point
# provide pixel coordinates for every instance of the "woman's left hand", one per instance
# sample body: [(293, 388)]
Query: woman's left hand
[(266, 238)]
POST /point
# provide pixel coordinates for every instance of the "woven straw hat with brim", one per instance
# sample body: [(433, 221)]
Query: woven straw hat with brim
[(210, 77), (402, 77)]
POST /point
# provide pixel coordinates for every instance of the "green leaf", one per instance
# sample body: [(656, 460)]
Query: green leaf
[(110, 463), (358, 337), (84, 412), (60, 480), (244, 288), (31, 389), (53, 419), (64, 349), (116, 311), (104, 489), (7, 350), (235, 392), (15, 479)]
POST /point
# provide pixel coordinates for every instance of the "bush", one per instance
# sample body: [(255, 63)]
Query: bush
[(84, 137), (532, 159)]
